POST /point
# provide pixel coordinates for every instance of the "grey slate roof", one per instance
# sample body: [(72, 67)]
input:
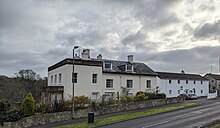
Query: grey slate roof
[(138, 68), (180, 76), (214, 76)]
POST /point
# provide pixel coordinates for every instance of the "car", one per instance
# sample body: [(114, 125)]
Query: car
[(192, 97), (185, 96), (188, 96)]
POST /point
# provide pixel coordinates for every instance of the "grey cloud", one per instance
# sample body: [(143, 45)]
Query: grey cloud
[(197, 59), (208, 30)]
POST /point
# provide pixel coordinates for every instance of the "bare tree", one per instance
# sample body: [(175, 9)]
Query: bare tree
[(27, 74)]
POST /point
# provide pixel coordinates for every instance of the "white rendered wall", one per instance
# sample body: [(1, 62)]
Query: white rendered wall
[(165, 86), (84, 85), (120, 80)]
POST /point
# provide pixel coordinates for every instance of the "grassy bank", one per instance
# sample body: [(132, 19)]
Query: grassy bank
[(118, 118)]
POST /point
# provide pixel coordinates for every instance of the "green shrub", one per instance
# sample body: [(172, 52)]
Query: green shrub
[(140, 96), (81, 101), (28, 105), (38, 108)]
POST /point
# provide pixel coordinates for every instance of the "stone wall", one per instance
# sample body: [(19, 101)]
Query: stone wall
[(60, 116)]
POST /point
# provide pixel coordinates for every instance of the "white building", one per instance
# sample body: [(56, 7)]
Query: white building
[(173, 84), (98, 77)]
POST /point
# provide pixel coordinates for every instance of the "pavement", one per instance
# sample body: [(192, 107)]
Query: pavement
[(202, 102)]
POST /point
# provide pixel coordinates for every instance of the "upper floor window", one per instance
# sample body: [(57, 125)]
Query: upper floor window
[(148, 83), (51, 79), (170, 81), (109, 83), (55, 79), (129, 67), (75, 77), (187, 81), (94, 78), (129, 83), (108, 65), (60, 76), (194, 82), (178, 81), (201, 82)]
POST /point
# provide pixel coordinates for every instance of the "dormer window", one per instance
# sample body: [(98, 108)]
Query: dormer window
[(129, 67), (108, 65)]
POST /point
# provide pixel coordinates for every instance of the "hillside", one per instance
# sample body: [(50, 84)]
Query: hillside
[(13, 90)]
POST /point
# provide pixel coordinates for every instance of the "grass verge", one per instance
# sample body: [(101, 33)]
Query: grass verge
[(123, 117)]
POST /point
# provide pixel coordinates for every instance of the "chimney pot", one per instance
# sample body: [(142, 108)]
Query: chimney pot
[(86, 54), (130, 58)]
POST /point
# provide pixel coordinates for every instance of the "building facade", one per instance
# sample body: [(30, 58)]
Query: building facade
[(96, 77), (214, 83), (174, 84)]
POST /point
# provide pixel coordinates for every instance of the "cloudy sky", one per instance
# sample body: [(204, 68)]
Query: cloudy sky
[(167, 35)]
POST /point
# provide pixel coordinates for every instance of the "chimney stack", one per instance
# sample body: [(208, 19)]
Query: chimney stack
[(130, 58), (86, 54), (99, 57)]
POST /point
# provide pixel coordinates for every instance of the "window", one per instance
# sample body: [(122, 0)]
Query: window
[(109, 83), (178, 81), (108, 65), (178, 91), (201, 91), (60, 76), (194, 90), (170, 91), (51, 79), (129, 67), (170, 81), (130, 94), (94, 78), (201, 82), (75, 77), (129, 83), (194, 82), (181, 87), (148, 83), (55, 81), (186, 81), (94, 96)]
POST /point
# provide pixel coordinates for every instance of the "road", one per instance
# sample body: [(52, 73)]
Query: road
[(184, 118)]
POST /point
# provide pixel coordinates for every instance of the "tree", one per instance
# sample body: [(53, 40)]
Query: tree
[(27, 74), (28, 105)]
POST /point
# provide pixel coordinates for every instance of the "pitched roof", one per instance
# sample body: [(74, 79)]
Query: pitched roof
[(120, 68), (180, 76), (214, 76), (77, 62)]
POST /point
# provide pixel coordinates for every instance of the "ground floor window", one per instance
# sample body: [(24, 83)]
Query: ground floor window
[(94, 96), (201, 91), (170, 91)]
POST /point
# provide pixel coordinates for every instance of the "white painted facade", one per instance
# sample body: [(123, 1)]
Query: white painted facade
[(139, 83), (84, 85), (174, 88)]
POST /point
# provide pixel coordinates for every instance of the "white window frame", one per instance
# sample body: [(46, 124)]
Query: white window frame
[(147, 83), (51, 79), (110, 65), (94, 79), (55, 79), (132, 67), (129, 83), (60, 78), (111, 85)]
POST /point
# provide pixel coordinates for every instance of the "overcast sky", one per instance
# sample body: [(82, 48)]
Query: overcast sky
[(167, 35)]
